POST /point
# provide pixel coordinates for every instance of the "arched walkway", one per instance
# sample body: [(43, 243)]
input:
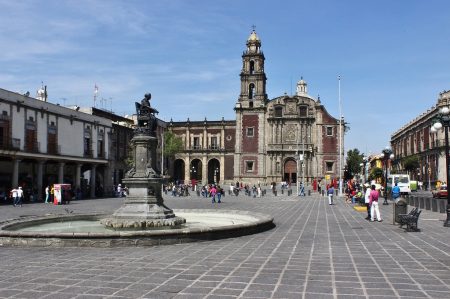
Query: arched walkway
[(178, 170), (213, 171), (195, 170)]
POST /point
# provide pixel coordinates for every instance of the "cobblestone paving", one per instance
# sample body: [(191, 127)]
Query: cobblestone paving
[(315, 251)]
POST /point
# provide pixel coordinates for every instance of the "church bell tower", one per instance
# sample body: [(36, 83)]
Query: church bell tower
[(249, 164)]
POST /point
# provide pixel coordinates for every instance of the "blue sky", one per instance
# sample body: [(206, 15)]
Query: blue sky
[(393, 56)]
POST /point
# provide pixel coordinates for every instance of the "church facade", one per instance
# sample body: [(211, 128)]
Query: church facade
[(287, 138)]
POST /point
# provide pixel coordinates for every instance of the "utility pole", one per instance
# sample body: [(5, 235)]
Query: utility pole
[(340, 140)]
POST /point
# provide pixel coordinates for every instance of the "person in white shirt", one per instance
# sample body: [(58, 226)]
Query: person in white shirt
[(19, 197), (14, 196), (47, 194), (367, 200)]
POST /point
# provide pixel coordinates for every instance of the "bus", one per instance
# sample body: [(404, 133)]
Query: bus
[(402, 181)]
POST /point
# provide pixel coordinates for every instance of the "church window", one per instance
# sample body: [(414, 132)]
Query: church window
[(250, 104), (329, 166), (251, 91), (278, 111), (329, 131), (303, 111), (249, 166), (250, 132), (252, 67)]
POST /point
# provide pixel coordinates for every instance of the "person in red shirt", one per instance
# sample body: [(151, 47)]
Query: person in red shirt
[(373, 202)]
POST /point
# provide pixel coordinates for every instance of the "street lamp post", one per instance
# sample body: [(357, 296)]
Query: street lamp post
[(387, 152), (365, 160), (216, 172), (443, 119)]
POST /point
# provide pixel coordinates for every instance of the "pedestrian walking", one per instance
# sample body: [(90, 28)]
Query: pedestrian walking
[(219, 192), (52, 194), (330, 193), (213, 192), (367, 200), (395, 191), (13, 193), (47, 194), (374, 208), (19, 196)]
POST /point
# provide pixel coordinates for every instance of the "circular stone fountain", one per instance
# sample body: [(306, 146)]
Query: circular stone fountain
[(143, 219), (87, 231)]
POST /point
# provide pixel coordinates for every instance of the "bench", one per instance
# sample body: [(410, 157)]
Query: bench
[(410, 220)]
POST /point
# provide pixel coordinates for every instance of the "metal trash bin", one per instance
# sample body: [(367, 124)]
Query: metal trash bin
[(400, 207)]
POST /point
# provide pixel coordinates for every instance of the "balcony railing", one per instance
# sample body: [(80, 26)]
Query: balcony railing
[(208, 148), (53, 149), (88, 153), (10, 144), (32, 147)]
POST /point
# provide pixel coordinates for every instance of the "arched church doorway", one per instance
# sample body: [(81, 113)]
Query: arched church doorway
[(178, 171), (213, 171), (290, 171)]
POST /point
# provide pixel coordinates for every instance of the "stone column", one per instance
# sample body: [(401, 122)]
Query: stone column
[(273, 133), (40, 175), (204, 170), (15, 174), (78, 175), (61, 172), (187, 170), (107, 181), (92, 181), (222, 170)]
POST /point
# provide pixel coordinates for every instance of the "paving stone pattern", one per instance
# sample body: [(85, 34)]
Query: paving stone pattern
[(315, 251)]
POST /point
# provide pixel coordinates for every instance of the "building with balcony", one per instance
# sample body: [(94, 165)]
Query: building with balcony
[(287, 138), (416, 139), (42, 143)]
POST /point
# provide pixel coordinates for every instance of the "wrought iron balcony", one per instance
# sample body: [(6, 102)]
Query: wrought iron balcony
[(10, 144)]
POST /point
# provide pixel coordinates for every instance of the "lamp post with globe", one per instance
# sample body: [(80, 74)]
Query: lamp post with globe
[(387, 154), (443, 120)]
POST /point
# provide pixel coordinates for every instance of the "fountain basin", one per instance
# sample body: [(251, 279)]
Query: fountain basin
[(86, 230)]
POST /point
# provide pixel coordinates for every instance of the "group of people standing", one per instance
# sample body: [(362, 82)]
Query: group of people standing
[(17, 195)]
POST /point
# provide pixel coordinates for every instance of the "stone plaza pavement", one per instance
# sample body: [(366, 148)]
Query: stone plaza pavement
[(315, 251)]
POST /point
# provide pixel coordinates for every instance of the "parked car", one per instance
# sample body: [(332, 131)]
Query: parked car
[(441, 192)]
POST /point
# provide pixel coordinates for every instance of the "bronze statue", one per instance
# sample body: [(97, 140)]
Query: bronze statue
[(146, 119)]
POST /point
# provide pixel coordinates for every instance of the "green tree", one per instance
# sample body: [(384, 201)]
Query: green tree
[(375, 173), (173, 144), (411, 163), (354, 159)]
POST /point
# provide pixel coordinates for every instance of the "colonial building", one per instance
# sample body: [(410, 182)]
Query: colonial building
[(417, 138), (42, 143), (288, 138)]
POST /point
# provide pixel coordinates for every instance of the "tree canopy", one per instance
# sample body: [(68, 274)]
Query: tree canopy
[(411, 163), (173, 144), (354, 159), (375, 173)]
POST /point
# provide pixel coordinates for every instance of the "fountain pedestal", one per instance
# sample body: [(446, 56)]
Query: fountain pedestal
[(143, 207)]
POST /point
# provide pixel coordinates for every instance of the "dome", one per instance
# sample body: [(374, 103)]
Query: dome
[(253, 36)]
